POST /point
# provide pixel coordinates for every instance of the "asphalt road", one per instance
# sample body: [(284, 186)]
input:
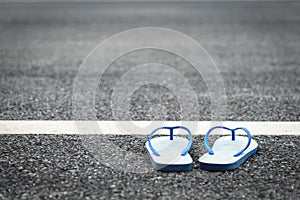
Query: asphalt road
[(59, 167), (255, 45)]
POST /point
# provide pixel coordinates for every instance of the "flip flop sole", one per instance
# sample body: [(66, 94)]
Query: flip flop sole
[(224, 150), (169, 168), (170, 158), (227, 167)]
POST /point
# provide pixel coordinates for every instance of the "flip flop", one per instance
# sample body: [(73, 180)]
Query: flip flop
[(170, 153), (228, 152)]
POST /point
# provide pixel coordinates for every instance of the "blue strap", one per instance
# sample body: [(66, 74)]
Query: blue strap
[(211, 152), (185, 151)]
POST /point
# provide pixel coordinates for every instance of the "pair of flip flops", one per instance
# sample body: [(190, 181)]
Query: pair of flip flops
[(170, 153)]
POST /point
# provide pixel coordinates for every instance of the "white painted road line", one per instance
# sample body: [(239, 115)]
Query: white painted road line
[(140, 127)]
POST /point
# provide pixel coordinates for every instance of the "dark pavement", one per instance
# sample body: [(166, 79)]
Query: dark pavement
[(255, 45), (59, 167)]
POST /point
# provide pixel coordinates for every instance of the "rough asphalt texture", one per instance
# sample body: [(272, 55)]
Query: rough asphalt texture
[(255, 45), (58, 167)]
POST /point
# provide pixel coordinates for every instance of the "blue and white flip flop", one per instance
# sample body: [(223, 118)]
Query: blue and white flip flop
[(170, 153), (228, 152)]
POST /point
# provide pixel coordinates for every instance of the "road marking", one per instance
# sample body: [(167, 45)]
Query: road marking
[(139, 127)]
